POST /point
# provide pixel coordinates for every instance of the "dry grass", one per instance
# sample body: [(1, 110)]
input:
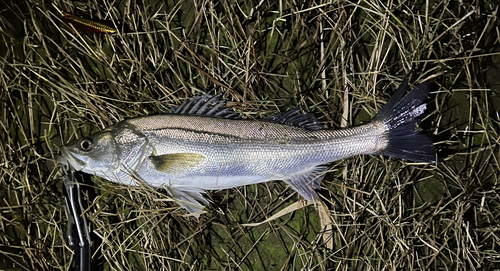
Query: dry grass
[(339, 60)]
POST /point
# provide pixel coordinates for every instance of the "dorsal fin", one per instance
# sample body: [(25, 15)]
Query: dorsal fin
[(213, 106), (206, 105), (295, 117)]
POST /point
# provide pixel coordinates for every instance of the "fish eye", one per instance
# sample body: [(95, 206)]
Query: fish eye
[(86, 144)]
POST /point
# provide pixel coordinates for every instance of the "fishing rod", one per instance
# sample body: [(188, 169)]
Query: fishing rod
[(77, 229)]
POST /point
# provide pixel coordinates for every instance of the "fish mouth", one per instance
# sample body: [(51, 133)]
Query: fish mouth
[(69, 159)]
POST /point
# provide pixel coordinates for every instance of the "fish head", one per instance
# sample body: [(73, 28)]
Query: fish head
[(96, 154)]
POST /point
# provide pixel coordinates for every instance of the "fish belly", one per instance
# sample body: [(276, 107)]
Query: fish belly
[(223, 170)]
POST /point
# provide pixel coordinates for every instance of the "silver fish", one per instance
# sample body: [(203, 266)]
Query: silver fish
[(202, 146)]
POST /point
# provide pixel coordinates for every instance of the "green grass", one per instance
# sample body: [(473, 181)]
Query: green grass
[(341, 61)]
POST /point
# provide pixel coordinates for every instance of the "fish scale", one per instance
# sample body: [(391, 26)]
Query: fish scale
[(281, 148)]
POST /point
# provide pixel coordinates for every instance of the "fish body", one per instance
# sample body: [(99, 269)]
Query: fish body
[(232, 152), (200, 146)]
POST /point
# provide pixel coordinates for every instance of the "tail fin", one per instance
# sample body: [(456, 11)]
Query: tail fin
[(401, 118)]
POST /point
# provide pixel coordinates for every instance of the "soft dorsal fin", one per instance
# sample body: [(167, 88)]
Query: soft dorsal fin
[(175, 162), (295, 117), (206, 105)]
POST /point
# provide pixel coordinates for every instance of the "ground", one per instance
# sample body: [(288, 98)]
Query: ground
[(339, 60)]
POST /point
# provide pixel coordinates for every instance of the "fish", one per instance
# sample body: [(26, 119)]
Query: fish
[(88, 25), (204, 145)]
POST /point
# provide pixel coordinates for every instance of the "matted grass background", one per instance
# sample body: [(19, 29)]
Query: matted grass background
[(340, 60)]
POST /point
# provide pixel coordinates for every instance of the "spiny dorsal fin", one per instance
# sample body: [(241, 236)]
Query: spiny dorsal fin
[(206, 105), (295, 117), (175, 162)]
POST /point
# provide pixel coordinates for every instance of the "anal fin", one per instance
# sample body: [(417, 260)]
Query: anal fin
[(304, 182)]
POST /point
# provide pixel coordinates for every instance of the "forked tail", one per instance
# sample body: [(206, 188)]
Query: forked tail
[(401, 116)]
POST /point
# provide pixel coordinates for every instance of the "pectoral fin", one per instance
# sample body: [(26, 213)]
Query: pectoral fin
[(175, 162), (305, 181)]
